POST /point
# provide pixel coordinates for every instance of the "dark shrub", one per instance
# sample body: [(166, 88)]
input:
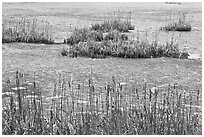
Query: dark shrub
[(64, 52)]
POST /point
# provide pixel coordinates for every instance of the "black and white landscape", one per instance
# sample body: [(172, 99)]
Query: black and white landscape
[(102, 68)]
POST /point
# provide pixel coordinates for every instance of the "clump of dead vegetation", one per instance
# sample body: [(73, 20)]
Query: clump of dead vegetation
[(117, 108), (117, 44), (99, 32), (177, 22), (125, 49), (83, 35), (111, 38), (26, 30), (107, 26)]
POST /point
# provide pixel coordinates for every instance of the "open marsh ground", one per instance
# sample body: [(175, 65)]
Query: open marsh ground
[(145, 16), (44, 65)]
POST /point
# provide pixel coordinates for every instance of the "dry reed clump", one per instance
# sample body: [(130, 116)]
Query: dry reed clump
[(177, 23), (95, 43), (85, 109), (97, 31), (106, 26), (116, 45), (26, 30), (83, 35), (115, 36)]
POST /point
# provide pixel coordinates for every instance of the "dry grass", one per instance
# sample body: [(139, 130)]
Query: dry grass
[(178, 22), (107, 26), (117, 108), (117, 44), (79, 101), (80, 83), (144, 16), (26, 30)]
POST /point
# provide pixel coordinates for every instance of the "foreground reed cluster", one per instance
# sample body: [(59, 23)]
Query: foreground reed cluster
[(26, 30), (84, 108)]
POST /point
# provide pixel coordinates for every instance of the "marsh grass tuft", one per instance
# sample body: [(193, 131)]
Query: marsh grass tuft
[(83, 35), (177, 23), (118, 45), (95, 42), (26, 30), (107, 26)]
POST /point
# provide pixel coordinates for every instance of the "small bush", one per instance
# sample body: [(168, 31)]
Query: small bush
[(83, 35), (26, 30), (79, 35), (126, 49), (177, 27), (89, 49), (95, 35), (184, 55), (99, 32), (96, 44), (115, 36), (178, 24), (106, 26), (64, 52)]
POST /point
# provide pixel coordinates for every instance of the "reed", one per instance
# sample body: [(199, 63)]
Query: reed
[(126, 49), (116, 109), (26, 30), (107, 26), (96, 44), (177, 22)]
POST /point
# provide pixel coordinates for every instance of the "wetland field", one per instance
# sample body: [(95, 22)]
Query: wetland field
[(102, 68)]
